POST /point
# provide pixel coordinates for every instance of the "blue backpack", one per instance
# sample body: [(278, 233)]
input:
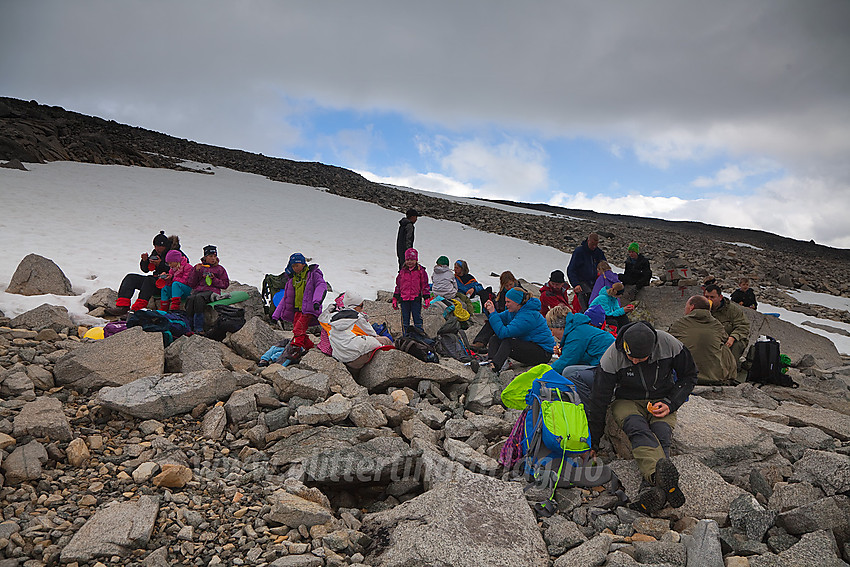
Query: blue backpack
[(171, 324)]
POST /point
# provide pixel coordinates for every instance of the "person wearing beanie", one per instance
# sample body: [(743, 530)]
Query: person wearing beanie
[(507, 281), (608, 300), (176, 282), (467, 284), (637, 273), (411, 289), (208, 277), (554, 292), (519, 332), (581, 270), (302, 300), (153, 265), (443, 282), (645, 376), (404, 239), (352, 338)]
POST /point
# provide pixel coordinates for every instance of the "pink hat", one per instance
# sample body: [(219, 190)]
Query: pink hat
[(411, 254), (174, 256)]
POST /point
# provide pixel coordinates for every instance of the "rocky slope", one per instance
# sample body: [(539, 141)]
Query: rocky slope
[(125, 452), (30, 132)]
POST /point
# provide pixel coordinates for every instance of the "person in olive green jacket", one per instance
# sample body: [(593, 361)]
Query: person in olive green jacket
[(732, 318), (705, 337)]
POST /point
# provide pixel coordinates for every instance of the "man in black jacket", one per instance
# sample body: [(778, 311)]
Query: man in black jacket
[(649, 375), (404, 240), (637, 274)]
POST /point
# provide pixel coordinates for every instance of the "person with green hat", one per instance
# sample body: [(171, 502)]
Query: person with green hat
[(637, 274), (443, 282)]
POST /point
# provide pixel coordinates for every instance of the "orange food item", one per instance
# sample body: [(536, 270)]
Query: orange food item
[(649, 407)]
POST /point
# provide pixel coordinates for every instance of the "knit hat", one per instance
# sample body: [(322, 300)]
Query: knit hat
[(173, 256), (160, 239), (633, 247), (443, 261), (210, 249), (411, 213), (297, 258), (516, 295), (411, 254), (352, 299), (638, 340), (596, 314), (556, 277)]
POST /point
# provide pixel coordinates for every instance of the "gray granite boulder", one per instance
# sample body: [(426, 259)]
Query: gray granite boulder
[(787, 496), (162, 396), (832, 422), (339, 378), (113, 361), (24, 463), (191, 353), (481, 521), (117, 529), (44, 316), (305, 442), (253, 339), (43, 417), (591, 553), (397, 368), (289, 382), (831, 513), (377, 461), (827, 470), (749, 517), (333, 410), (703, 545), (37, 275)]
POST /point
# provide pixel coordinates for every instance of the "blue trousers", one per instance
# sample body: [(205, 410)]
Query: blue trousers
[(410, 308), (175, 289)]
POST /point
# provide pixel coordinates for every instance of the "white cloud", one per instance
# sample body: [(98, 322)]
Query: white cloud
[(733, 175), (802, 208), (434, 182)]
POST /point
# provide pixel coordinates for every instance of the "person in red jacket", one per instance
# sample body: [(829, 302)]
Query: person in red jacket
[(411, 287), (554, 292)]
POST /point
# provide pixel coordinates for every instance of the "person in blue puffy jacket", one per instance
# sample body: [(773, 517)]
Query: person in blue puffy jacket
[(520, 331)]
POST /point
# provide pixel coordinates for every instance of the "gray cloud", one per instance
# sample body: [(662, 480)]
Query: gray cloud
[(672, 80)]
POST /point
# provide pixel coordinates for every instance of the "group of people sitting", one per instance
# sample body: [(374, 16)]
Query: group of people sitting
[(168, 270)]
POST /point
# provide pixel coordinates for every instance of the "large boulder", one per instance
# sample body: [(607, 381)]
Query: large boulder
[(43, 418), (397, 368), (113, 361), (339, 378), (253, 339), (116, 529), (44, 316), (191, 353), (162, 396), (480, 521), (37, 275), (289, 382), (306, 442), (827, 470), (25, 463), (832, 422), (377, 461), (831, 513), (706, 429)]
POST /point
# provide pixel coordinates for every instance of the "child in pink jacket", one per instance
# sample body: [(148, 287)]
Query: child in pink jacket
[(176, 281), (411, 287)]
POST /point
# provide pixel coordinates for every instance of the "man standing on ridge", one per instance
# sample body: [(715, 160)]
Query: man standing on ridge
[(582, 268), (404, 240)]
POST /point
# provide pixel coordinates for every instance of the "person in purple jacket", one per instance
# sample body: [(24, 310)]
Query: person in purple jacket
[(302, 299), (207, 278)]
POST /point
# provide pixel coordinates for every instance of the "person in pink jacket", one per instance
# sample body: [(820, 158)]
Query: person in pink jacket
[(411, 287), (176, 281)]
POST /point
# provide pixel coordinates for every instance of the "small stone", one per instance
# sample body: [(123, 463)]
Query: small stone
[(145, 472), (77, 452), (400, 396), (173, 476), (87, 500), (186, 533)]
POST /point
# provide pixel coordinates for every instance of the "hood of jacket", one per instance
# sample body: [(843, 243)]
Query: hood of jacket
[(574, 320)]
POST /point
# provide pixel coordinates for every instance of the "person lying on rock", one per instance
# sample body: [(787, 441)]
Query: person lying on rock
[(520, 331), (648, 374), (353, 339), (153, 265), (208, 277)]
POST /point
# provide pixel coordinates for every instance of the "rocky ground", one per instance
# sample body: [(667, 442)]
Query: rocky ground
[(125, 452)]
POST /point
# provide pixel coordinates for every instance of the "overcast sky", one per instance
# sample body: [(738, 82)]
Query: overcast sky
[(729, 112)]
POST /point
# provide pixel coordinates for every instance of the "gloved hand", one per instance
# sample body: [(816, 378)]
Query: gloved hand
[(317, 306), (427, 302), (395, 303)]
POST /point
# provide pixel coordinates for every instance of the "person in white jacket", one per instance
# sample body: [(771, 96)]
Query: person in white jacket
[(443, 281), (351, 335)]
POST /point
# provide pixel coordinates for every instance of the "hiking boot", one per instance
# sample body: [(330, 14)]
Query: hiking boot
[(117, 311), (263, 363), (650, 500), (667, 479)]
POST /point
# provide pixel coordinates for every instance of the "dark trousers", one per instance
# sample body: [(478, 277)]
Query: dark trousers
[(584, 295), (526, 352), (618, 322), (197, 302), (412, 308), (485, 334), (132, 282)]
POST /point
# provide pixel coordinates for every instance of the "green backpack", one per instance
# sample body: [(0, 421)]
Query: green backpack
[(272, 286)]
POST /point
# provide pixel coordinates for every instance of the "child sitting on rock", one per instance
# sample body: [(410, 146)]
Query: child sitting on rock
[(176, 281), (614, 314), (207, 278), (411, 287), (745, 295)]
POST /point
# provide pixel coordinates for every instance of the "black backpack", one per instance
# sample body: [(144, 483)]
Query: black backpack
[(416, 349), (172, 324), (271, 285), (230, 319), (765, 365)]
